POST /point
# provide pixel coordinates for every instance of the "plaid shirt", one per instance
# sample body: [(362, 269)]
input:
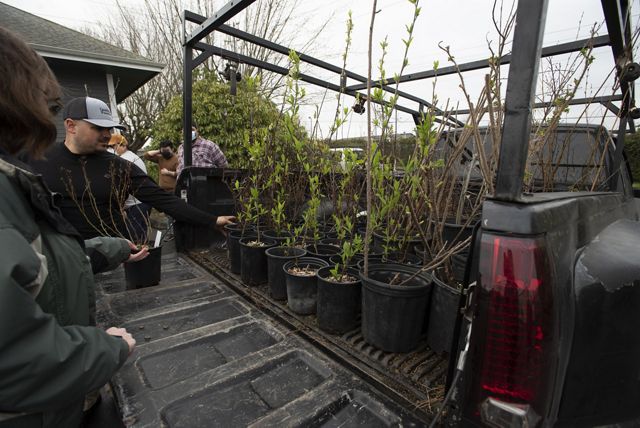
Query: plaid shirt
[(204, 153)]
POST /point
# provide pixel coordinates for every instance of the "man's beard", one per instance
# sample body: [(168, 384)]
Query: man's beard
[(166, 155)]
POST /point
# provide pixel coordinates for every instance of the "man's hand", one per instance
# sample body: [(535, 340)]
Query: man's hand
[(165, 171), (139, 254), (124, 334), (224, 220)]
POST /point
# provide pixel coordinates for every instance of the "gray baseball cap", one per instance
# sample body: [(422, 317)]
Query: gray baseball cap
[(90, 110)]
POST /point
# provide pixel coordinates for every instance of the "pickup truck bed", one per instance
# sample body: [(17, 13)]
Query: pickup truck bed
[(212, 352)]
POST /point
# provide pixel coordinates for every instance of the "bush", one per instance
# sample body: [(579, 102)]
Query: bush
[(232, 122), (632, 148)]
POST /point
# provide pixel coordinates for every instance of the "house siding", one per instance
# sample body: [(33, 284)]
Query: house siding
[(79, 80)]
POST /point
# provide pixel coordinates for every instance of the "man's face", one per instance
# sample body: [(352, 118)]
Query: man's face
[(166, 151), (87, 138)]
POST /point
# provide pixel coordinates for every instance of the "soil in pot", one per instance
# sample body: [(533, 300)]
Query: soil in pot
[(302, 285), (339, 300), (276, 258), (393, 315), (233, 248), (146, 272), (253, 260), (445, 301)]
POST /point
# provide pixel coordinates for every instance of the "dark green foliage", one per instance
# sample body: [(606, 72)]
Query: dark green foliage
[(632, 148), (232, 122)]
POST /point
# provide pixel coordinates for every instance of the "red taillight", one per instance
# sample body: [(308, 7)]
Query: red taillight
[(513, 321)]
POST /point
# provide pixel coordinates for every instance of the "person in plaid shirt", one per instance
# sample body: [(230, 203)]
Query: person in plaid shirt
[(204, 153)]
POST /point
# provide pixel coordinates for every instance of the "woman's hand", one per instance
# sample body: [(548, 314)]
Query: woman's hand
[(140, 253), (125, 335)]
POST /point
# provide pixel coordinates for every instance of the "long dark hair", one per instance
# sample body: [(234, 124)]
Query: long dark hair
[(29, 98)]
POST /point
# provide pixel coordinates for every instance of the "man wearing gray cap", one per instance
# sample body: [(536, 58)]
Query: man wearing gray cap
[(94, 183)]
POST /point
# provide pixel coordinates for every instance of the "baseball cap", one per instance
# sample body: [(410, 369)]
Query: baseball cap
[(91, 110)]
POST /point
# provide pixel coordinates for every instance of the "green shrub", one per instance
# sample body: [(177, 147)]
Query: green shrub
[(232, 122), (632, 148)]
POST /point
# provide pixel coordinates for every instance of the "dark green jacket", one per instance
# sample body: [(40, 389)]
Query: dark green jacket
[(50, 356)]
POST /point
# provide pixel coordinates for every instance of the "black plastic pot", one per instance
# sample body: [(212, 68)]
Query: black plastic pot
[(339, 303), (253, 261), (322, 251), (459, 265), (146, 272), (311, 239), (393, 315), (276, 258), (302, 291), (332, 241), (454, 233), (233, 248), (280, 237), (375, 258), (403, 258), (380, 241), (443, 311), (238, 227), (422, 254), (337, 260)]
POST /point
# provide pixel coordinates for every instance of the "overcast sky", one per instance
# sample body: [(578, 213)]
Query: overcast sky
[(464, 25)]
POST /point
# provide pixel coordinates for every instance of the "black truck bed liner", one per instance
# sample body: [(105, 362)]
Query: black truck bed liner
[(212, 352)]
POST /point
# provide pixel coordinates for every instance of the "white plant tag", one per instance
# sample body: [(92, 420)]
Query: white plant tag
[(157, 241)]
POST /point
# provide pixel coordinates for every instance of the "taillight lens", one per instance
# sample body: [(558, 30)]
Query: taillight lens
[(513, 327)]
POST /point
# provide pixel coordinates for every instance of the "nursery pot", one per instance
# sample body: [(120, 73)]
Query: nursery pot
[(422, 254), (233, 248), (336, 259), (403, 258), (146, 272), (280, 237), (276, 258), (302, 291), (336, 242), (443, 311), (459, 265), (454, 233), (338, 302), (238, 227), (253, 261), (380, 241), (375, 258), (322, 251), (393, 315)]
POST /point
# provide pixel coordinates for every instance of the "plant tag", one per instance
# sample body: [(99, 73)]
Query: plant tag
[(157, 241)]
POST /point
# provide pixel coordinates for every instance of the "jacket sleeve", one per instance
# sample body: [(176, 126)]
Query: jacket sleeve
[(106, 253), (143, 188), (150, 158), (44, 366)]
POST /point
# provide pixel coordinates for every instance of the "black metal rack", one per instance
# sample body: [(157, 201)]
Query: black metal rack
[(527, 46)]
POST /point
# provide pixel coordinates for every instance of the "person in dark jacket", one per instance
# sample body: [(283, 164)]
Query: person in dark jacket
[(50, 354), (95, 183)]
